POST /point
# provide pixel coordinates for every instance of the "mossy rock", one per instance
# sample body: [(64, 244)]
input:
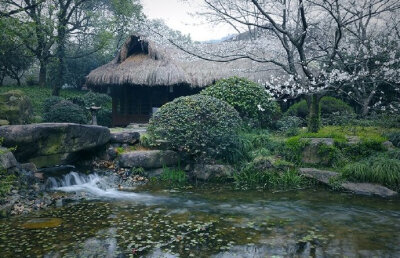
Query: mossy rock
[(15, 107)]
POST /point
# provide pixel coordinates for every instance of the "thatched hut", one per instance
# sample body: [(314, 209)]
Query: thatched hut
[(144, 76)]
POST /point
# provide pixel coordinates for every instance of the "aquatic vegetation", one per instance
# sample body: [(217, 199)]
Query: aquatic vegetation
[(38, 223)]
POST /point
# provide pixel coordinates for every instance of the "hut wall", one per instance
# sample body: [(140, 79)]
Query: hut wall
[(134, 104)]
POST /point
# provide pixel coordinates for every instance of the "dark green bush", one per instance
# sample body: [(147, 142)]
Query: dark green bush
[(394, 137), (66, 112), (201, 126), (330, 109), (378, 169), (51, 102), (249, 98), (104, 116)]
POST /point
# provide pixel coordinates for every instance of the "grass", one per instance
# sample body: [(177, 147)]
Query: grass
[(39, 94), (173, 176), (381, 169)]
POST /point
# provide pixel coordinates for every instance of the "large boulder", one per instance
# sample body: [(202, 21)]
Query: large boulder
[(325, 177), (311, 154), (7, 159), (51, 144), (125, 137), (149, 159), (15, 108)]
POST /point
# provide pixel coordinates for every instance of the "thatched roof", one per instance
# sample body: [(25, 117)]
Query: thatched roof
[(143, 62)]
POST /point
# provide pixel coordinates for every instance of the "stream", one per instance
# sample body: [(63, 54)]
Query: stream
[(207, 220)]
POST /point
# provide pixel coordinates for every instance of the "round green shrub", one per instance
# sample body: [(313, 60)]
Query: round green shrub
[(329, 106), (248, 98), (51, 102), (66, 112), (200, 126), (290, 125)]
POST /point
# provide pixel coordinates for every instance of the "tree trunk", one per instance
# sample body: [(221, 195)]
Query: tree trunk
[(314, 115), (60, 58), (366, 102), (42, 73)]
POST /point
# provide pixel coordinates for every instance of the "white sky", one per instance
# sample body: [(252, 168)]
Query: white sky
[(180, 15)]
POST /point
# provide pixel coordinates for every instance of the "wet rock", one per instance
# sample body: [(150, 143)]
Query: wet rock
[(322, 176), (212, 171), (149, 159), (125, 137), (57, 170), (368, 189), (310, 153), (15, 107), (112, 153), (7, 159), (51, 144), (29, 167)]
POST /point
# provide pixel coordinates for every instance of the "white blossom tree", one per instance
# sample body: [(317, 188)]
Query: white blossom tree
[(305, 41)]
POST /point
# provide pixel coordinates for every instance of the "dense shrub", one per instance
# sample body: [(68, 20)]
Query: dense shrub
[(329, 107), (104, 115), (66, 112), (201, 126), (248, 98), (394, 137), (51, 102), (289, 125), (378, 169)]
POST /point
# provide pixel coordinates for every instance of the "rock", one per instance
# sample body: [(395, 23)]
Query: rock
[(352, 140), (15, 107), (211, 171), (388, 145), (112, 153), (7, 159), (149, 159), (127, 137), (51, 144), (369, 189), (322, 176), (57, 171), (310, 153), (4, 122), (29, 167), (154, 172)]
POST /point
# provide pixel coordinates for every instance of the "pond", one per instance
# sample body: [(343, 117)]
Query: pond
[(209, 220)]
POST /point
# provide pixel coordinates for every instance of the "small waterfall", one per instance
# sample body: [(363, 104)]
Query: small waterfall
[(96, 186)]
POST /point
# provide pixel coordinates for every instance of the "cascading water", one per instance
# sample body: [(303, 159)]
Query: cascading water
[(94, 185)]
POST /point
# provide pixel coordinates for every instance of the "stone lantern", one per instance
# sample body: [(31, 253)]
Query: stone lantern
[(93, 111)]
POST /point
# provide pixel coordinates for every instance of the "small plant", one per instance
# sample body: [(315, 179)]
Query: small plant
[(138, 171), (173, 176)]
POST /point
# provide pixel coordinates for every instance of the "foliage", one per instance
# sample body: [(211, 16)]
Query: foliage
[(394, 137), (6, 182), (289, 125), (377, 169), (104, 115), (173, 176), (329, 107), (50, 102), (39, 94), (248, 98), (66, 112), (201, 126)]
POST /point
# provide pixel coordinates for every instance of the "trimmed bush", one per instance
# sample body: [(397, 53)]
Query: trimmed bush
[(329, 106), (66, 112), (201, 126), (248, 98)]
